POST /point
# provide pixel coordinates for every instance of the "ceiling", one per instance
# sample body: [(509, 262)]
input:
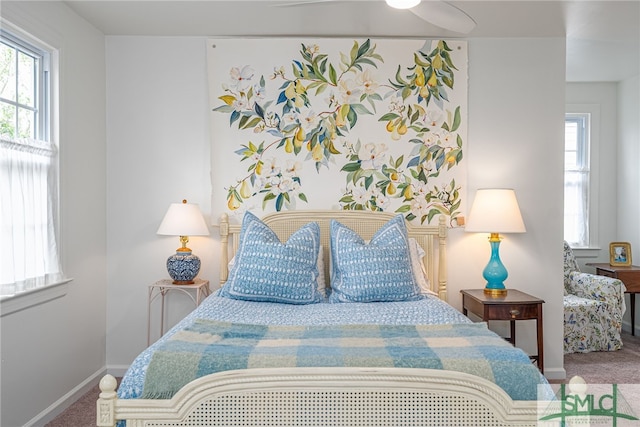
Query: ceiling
[(603, 37)]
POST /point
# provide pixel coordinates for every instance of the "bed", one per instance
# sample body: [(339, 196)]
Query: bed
[(331, 353)]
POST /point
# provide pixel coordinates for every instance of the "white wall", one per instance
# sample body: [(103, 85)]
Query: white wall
[(516, 134), (48, 350), (158, 151), (628, 177)]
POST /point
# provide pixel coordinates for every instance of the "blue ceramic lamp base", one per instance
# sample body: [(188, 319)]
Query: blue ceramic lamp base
[(183, 267), (495, 272)]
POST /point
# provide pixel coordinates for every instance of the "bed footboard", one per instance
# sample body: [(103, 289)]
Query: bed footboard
[(321, 397)]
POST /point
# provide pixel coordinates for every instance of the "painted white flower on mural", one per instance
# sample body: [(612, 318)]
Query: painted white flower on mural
[(349, 91), (434, 118), (241, 77), (372, 156), (419, 207), (241, 103), (309, 120), (420, 189), (366, 80), (360, 194), (381, 200), (271, 167), (430, 138)]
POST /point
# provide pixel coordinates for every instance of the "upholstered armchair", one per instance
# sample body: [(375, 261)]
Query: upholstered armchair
[(593, 309)]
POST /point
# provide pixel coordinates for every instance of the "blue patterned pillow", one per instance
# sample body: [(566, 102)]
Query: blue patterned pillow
[(377, 271), (266, 269)]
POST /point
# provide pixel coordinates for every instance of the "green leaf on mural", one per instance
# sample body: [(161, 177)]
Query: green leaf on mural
[(456, 120), (388, 117), (360, 109), (351, 167), (419, 60), (332, 149), (354, 52), (333, 76), (368, 181), (224, 109), (352, 117)]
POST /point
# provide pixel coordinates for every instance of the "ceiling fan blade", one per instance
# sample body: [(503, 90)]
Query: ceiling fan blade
[(303, 3), (444, 15), (436, 12)]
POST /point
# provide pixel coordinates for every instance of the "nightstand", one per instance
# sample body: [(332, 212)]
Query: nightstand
[(196, 292), (514, 306), (630, 276)]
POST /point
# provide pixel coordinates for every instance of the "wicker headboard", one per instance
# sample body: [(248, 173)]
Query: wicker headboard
[(432, 238)]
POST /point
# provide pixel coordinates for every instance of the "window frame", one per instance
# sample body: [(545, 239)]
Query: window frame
[(42, 105), (54, 286), (593, 142)]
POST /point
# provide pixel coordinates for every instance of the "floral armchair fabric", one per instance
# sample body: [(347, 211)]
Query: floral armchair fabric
[(593, 309)]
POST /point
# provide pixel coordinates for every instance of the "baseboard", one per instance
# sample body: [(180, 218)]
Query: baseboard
[(626, 327), (555, 373), (117, 370), (65, 401)]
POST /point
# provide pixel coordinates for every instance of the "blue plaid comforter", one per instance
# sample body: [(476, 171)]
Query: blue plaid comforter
[(209, 346)]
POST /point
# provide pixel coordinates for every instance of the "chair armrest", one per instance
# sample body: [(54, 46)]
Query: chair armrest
[(602, 288)]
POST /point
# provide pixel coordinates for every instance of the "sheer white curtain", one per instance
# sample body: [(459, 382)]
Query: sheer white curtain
[(576, 208), (28, 215)]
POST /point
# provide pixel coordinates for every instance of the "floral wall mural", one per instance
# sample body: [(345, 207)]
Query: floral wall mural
[(339, 124)]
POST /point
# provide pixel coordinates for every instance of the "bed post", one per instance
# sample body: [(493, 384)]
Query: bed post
[(224, 243), (105, 412), (442, 258)]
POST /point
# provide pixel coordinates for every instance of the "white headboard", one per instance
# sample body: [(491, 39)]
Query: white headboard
[(432, 238)]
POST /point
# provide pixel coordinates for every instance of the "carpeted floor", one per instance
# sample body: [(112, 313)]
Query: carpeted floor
[(601, 367), (619, 367), (80, 414)]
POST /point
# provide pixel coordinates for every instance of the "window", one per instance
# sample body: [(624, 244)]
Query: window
[(23, 90), (576, 179), (28, 168)]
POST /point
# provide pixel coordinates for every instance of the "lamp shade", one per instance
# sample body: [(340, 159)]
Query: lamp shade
[(403, 4), (495, 210), (183, 219)]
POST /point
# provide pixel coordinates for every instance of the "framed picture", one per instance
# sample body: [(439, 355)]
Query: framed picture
[(619, 253)]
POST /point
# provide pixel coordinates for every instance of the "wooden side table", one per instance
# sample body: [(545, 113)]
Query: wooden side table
[(197, 292), (514, 306), (630, 276)]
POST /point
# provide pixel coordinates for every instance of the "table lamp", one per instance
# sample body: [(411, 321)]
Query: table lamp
[(184, 220), (495, 211)]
